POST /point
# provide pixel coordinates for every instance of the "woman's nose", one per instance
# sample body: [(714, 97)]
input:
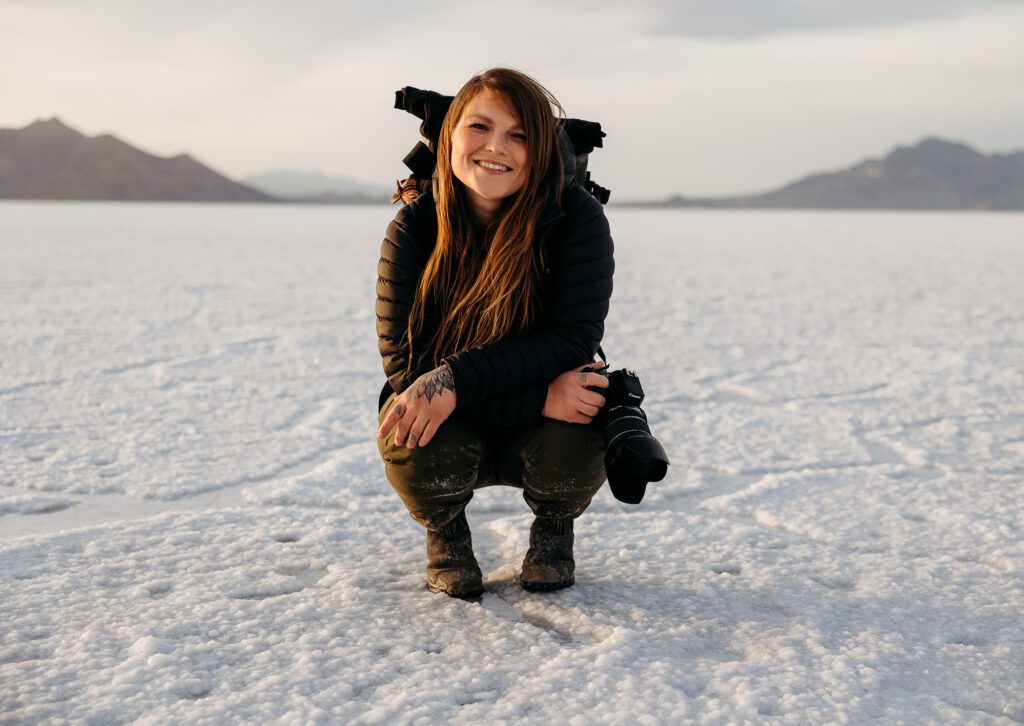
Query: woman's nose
[(496, 142)]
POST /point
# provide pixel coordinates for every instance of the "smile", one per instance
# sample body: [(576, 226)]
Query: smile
[(490, 165)]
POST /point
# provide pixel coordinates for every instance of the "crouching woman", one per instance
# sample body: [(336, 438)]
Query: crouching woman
[(492, 292)]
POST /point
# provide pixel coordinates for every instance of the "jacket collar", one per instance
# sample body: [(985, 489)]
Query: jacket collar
[(552, 211)]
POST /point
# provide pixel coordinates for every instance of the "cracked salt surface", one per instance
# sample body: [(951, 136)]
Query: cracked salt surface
[(195, 526)]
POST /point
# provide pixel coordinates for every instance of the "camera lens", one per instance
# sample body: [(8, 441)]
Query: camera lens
[(633, 457)]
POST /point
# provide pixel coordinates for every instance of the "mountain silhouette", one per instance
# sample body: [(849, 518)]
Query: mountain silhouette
[(933, 174), (50, 160), (311, 186)]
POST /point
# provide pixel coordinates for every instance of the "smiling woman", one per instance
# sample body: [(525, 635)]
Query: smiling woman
[(492, 293), (489, 153)]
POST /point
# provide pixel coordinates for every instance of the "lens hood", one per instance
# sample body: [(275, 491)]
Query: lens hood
[(631, 463)]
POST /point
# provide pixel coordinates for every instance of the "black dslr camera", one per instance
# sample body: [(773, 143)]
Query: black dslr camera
[(633, 457)]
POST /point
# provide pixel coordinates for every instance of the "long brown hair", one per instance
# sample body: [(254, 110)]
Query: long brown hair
[(484, 290)]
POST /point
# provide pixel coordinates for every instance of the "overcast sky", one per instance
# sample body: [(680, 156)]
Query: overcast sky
[(697, 98)]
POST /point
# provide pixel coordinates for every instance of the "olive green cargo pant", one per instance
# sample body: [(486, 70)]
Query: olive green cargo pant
[(558, 465)]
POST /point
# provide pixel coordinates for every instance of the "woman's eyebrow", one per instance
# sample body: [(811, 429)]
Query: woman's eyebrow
[(490, 120)]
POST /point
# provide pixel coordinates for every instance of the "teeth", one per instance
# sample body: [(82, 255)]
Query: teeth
[(496, 167)]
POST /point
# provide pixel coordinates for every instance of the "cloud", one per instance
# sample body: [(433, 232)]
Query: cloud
[(277, 38), (746, 19)]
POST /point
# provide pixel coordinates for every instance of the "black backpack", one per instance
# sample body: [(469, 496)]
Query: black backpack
[(581, 137)]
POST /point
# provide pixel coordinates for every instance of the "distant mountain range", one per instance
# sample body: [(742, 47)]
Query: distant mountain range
[(49, 160), (311, 186), (934, 174)]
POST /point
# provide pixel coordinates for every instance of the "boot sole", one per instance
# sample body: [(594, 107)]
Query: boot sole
[(546, 586), (468, 595)]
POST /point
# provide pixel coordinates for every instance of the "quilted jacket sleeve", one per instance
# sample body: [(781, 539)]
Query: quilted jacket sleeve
[(515, 408), (401, 259), (581, 265)]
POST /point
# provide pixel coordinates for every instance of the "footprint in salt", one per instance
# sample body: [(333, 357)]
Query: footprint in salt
[(968, 638), (833, 582), (308, 576), (24, 653), (156, 589)]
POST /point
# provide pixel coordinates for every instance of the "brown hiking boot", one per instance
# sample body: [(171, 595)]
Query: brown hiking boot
[(548, 564), (451, 565)]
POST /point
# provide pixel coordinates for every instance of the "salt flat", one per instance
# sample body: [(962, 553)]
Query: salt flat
[(195, 526)]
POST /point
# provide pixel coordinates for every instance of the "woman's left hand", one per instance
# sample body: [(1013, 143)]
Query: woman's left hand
[(420, 409)]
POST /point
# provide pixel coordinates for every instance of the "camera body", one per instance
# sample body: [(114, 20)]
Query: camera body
[(633, 457)]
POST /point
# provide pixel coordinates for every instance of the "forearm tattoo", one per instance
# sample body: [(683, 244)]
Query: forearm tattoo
[(435, 383)]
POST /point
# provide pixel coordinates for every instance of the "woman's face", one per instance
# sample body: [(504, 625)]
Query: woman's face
[(489, 153)]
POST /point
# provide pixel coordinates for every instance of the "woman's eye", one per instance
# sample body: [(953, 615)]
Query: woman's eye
[(483, 127)]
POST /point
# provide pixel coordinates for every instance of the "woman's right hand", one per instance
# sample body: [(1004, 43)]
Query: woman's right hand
[(569, 398)]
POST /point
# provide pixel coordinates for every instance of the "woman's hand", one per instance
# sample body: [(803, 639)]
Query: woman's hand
[(421, 408), (569, 398)]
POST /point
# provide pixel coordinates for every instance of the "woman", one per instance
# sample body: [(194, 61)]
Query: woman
[(492, 292)]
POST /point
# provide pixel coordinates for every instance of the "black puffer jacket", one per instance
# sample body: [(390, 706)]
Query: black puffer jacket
[(505, 382)]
